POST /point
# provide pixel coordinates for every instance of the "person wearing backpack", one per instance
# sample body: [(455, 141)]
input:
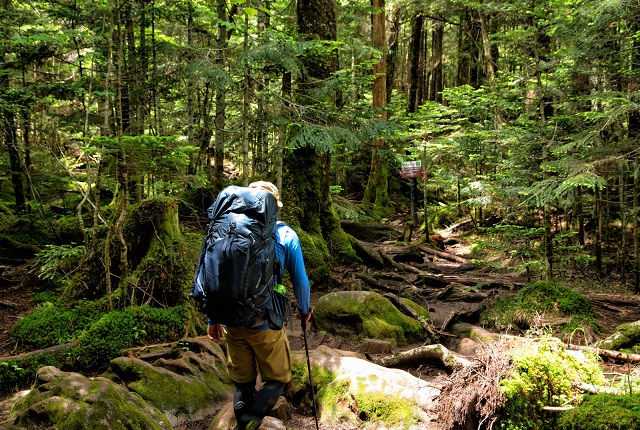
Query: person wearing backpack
[(258, 348)]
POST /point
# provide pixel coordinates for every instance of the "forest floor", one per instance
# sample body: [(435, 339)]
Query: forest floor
[(612, 303)]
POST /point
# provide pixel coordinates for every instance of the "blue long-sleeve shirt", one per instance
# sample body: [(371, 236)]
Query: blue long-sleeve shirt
[(289, 253)]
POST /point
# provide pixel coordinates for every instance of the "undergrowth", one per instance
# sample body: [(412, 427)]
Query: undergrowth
[(566, 309)]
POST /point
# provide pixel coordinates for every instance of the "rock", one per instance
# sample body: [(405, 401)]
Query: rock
[(186, 383), (62, 400), (362, 394), (467, 347), (282, 410), (358, 314), (225, 419), (463, 330), (626, 336), (375, 346), (189, 385)]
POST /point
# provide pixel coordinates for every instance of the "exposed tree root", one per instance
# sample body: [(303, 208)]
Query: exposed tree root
[(472, 399), (438, 353)]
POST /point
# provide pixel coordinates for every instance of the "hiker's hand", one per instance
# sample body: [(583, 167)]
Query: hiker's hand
[(306, 318), (215, 332)]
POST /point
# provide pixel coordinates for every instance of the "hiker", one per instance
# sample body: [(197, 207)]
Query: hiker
[(259, 349)]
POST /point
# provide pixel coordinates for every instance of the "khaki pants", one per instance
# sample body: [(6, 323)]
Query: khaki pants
[(250, 351)]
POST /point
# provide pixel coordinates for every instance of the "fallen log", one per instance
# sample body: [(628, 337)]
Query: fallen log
[(445, 255), (607, 353), (50, 350)]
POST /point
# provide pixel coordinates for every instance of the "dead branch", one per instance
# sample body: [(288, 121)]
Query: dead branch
[(607, 353)]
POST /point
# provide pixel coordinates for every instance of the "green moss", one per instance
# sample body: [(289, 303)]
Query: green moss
[(50, 325), (545, 375), (68, 229), (20, 373), (316, 256), (366, 314), (603, 412), (106, 338), (334, 400), (116, 330), (627, 335), (73, 402), (416, 307), (392, 411), (168, 391), (556, 301), (340, 246)]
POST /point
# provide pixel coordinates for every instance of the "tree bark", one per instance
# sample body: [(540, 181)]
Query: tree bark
[(417, 23), (220, 120), (10, 137), (376, 194), (246, 107), (437, 83)]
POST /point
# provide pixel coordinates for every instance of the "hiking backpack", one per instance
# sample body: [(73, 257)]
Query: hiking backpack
[(236, 270)]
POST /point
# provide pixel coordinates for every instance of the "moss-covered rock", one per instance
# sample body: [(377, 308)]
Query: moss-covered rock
[(540, 303), (366, 314), (70, 401), (166, 387), (627, 335), (354, 391), (190, 383)]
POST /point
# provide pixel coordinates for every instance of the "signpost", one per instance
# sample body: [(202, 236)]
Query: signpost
[(412, 170)]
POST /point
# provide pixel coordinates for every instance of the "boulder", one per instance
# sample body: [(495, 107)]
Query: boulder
[(70, 401), (626, 335), (366, 314), (160, 390), (189, 383), (353, 391)]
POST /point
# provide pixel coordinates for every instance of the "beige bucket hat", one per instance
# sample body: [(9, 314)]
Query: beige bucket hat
[(267, 186)]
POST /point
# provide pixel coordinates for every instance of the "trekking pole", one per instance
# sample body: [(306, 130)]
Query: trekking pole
[(306, 349)]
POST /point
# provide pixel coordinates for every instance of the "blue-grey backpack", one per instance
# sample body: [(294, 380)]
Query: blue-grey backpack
[(235, 273)]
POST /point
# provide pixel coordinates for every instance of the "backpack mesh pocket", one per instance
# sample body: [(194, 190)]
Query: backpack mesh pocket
[(279, 308)]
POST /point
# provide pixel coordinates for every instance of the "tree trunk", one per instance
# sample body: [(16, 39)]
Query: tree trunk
[(10, 136), (414, 63), (636, 231), (220, 120), (465, 47), (633, 124), (246, 107), (376, 194), (307, 170), (598, 241), (437, 83), (580, 216), (489, 63), (622, 196), (191, 169), (396, 26)]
